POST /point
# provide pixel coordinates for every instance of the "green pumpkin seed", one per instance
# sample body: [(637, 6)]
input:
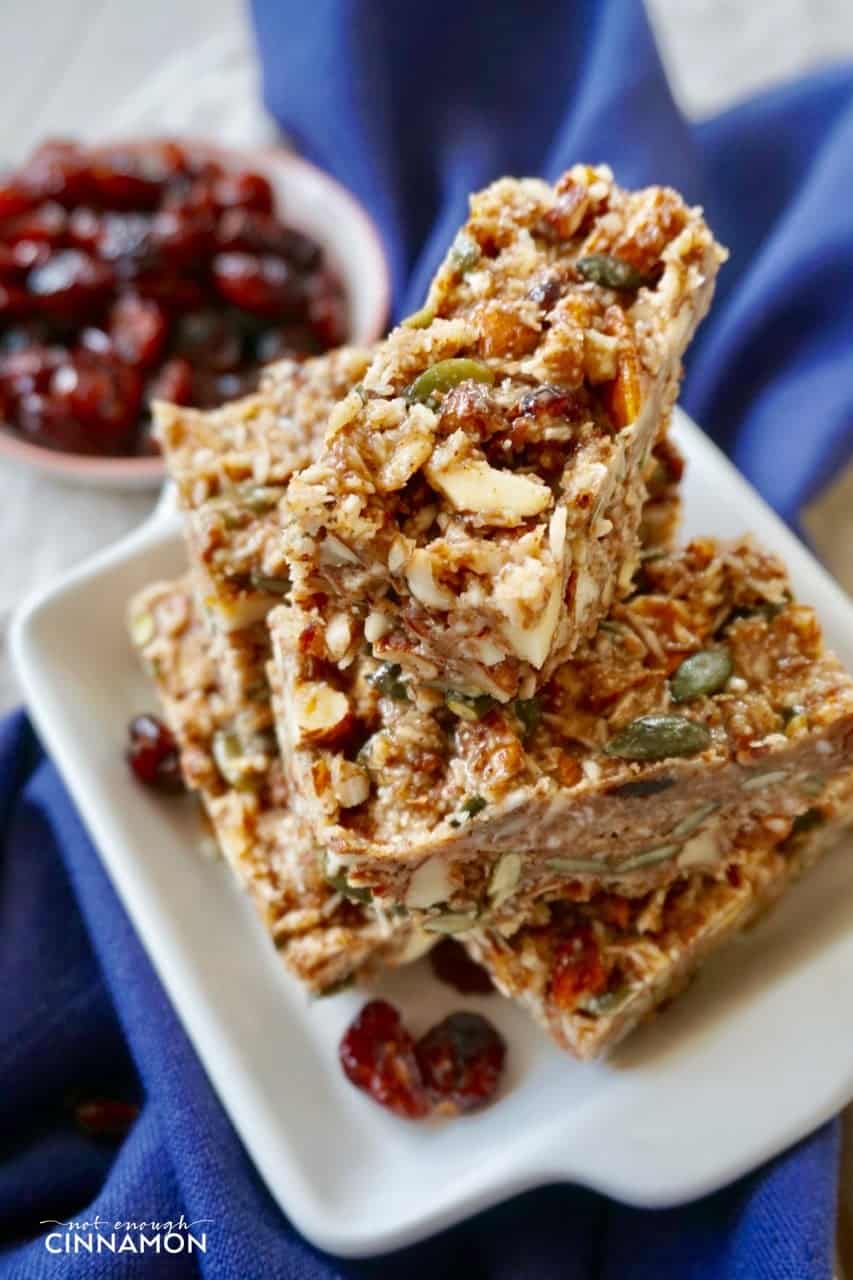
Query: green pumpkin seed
[(610, 1002), (648, 858), (464, 252), (505, 877), (576, 866), (469, 706), (142, 629), (529, 712), (473, 805), (701, 674), (655, 737), (386, 678), (807, 821), (340, 884), (446, 374), (272, 586), (419, 319), (693, 821), (761, 780), (262, 498), (453, 922), (611, 272)]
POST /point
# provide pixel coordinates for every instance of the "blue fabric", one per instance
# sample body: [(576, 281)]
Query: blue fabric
[(413, 106)]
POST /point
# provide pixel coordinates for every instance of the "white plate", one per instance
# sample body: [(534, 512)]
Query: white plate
[(758, 1053)]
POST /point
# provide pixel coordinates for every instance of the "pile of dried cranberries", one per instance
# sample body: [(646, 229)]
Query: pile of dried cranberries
[(136, 273), (455, 1068)]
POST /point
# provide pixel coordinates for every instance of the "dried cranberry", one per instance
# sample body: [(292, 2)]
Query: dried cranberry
[(57, 170), (133, 178), (182, 237), (461, 1061), (173, 382), (153, 755), (70, 282), (47, 222), (84, 229), (109, 1118), (124, 236), (242, 229), (555, 402), (452, 965), (27, 254), (264, 285), (13, 199), (377, 1054), (138, 329), (29, 368), (327, 315), (576, 969), (244, 191), (210, 339), (48, 423), (173, 292), (14, 302)]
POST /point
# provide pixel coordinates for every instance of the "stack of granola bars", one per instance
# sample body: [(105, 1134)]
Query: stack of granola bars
[(436, 666)]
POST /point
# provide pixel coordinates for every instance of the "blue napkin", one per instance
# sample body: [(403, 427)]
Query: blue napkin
[(412, 107)]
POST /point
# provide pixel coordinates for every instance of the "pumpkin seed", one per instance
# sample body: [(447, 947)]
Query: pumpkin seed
[(688, 825), (649, 857), (272, 586), (529, 712), (655, 737), (445, 374), (469, 706), (386, 678), (262, 499), (453, 922), (609, 1002), (354, 893), (761, 780), (576, 866), (505, 876), (142, 629), (807, 821), (473, 805), (701, 674), (611, 272), (421, 319), (464, 252)]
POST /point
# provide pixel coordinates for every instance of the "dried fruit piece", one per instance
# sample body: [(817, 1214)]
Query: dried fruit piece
[(655, 737), (611, 272), (386, 678), (469, 706), (443, 375), (377, 1054), (461, 1061), (577, 970), (701, 674), (452, 965), (153, 755), (109, 1118)]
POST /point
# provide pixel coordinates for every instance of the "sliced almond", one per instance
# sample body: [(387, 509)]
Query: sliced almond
[(501, 497), (338, 635), (422, 583), (335, 552), (429, 884), (322, 714), (533, 644), (350, 782)]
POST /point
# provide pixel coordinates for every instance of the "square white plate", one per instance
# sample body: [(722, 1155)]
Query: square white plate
[(758, 1053)]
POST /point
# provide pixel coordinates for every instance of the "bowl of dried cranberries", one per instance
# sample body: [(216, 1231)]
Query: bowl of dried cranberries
[(170, 270)]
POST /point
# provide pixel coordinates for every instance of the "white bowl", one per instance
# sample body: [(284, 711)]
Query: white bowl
[(308, 200), (756, 1054)]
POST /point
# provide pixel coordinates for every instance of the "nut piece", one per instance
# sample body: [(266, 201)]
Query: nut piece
[(322, 714), (350, 782), (430, 884), (500, 497)]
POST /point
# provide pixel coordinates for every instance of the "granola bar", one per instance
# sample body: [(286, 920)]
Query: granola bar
[(324, 939), (705, 704), (590, 973), (482, 489)]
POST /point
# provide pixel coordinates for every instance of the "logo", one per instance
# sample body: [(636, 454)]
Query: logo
[(100, 1235)]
